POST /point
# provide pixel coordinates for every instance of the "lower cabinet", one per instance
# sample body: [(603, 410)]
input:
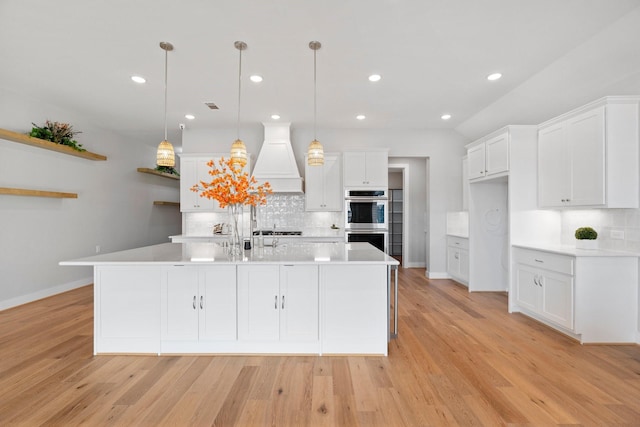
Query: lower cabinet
[(354, 309), (126, 315), (458, 259), (241, 309), (593, 298), (198, 303), (545, 292), (278, 303)]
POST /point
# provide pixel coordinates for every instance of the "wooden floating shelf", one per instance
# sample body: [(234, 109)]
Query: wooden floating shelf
[(155, 172), (37, 193), (48, 145), (162, 203)]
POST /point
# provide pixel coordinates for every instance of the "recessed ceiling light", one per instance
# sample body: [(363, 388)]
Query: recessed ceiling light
[(375, 77), (361, 117), (275, 117), (189, 116), (255, 78), (138, 79), (445, 116), (494, 76)]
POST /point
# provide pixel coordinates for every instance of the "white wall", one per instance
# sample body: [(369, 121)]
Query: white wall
[(114, 208), (444, 148)]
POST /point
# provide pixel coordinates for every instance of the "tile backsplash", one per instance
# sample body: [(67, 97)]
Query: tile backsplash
[(618, 229), (284, 211)]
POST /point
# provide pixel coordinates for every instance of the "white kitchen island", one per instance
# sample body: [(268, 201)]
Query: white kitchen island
[(302, 298)]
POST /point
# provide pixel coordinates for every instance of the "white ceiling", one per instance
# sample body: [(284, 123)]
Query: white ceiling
[(433, 55)]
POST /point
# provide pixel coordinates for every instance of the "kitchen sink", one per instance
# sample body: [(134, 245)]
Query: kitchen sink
[(277, 233)]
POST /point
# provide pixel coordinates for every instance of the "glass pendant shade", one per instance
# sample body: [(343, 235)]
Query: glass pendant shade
[(165, 155), (315, 154), (239, 153)]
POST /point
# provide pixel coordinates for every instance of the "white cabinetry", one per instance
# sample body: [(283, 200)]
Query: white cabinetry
[(354, 308), (589, 156), (193, 169), (278, 303), (458, 258), (489, 156), (544, 285), (323, 185), (591, 298), (198, 303), (366, 169), (127, 318)]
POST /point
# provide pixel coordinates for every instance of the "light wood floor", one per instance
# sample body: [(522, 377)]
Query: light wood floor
[(460, 360)]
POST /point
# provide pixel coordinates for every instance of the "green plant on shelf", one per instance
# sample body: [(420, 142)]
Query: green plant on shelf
[(586, 233), (59, 133), (167, 169)]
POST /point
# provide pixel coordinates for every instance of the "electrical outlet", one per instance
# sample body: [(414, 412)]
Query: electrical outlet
[(97, 249), (617, 234)]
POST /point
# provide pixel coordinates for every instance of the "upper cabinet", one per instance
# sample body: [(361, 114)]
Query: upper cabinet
[(589, 156), (366, 169), (193, 169), (489, 156), (323, 185)]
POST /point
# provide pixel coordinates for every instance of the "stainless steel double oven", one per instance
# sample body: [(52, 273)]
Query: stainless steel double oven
[(366, 213)]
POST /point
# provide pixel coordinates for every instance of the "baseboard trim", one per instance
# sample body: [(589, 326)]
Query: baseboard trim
[(44, 293), (437, 275), (413, 265)]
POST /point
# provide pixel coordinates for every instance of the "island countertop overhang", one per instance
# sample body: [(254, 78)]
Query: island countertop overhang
[(203, 253)]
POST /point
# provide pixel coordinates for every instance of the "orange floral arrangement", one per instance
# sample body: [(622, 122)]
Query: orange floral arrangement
[(231, 186)]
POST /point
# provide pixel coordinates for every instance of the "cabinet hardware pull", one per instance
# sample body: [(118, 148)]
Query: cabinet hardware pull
[(283, 302), (194, 302), (538, 260), (201, 302), (275, 305)]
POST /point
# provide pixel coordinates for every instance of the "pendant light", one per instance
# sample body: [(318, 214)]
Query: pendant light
[(315, 152), (238, 149), (165, 155)]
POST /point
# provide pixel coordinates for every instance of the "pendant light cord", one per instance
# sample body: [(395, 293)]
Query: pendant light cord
[(315, 95), (239, 87), (166, 55)]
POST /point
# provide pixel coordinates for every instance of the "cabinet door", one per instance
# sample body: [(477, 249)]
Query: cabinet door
[(299, 303), (586, 145), (203, 169), (475, 160), (188, 177), (332, 179), (497, 154), (528, 291), (354, 169), (553, 167), (377, 169), (464, 265), (314, 187), (453, 261), (180, 304), (258, 302), (192, 171), (217, 303), (557, 298)]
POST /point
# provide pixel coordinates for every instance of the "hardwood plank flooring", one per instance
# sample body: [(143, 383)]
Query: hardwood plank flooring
[(460, 360)]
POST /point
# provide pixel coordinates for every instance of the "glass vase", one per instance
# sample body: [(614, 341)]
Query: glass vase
[(235, 229)]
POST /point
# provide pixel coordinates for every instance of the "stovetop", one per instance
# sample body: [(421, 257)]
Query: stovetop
[(277, 233)]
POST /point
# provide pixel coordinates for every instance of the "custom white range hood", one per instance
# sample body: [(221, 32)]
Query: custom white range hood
[(276, 162)]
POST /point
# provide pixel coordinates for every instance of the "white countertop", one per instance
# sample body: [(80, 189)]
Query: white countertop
[(198, 253), (572, 251)]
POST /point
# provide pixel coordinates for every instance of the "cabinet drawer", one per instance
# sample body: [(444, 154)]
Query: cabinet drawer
[(458, 242), (548, 261)]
